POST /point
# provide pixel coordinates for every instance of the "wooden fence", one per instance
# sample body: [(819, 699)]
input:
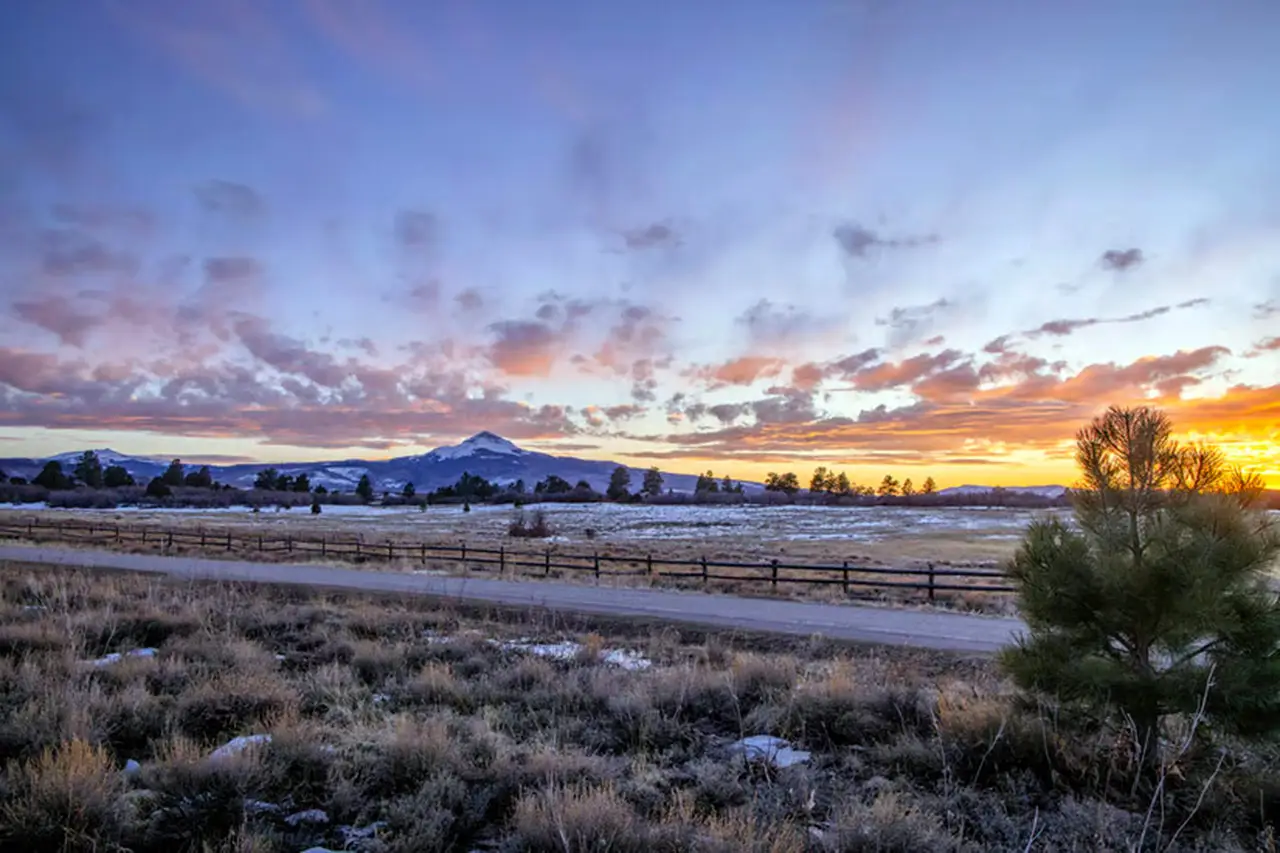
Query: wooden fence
[(851, 577)]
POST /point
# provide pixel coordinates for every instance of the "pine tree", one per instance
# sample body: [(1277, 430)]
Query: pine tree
[(888, 487), (173, 476), (1160, 600), (89, 470), (908, 488), (843, 486), (789, 483), (51, 476), (619, 484), (929, 486), (818, 482), (365, 488), (115, 476), (652, 486), (409, 491)]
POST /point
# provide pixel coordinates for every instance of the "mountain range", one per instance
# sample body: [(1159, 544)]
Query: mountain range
[(484, 455)]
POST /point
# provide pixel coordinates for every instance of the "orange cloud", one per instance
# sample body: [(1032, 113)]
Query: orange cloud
[(739, 371)]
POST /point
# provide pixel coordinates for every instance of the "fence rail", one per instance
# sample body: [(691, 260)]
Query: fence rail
[(849, 576)]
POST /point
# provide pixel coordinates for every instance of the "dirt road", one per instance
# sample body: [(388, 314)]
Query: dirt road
[(918, 628)]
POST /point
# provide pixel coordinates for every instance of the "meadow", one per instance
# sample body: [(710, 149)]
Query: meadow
[(144, 714)]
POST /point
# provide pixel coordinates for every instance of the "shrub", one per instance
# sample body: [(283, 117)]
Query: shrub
[(577, 820), (536, 528), (68, 799), (226, 704)]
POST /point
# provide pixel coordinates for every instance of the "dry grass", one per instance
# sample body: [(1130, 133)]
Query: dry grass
[(379, 725)]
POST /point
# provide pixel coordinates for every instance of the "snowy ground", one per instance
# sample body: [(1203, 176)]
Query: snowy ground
[(629, 522)]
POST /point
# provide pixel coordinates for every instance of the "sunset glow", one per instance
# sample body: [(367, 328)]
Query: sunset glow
[(926, 239)]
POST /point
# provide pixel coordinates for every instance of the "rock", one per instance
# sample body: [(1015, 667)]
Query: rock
[(131, 768), (237, 745)]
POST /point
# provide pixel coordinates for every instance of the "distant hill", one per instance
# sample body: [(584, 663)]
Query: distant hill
[(483, 455), (1039, 491)]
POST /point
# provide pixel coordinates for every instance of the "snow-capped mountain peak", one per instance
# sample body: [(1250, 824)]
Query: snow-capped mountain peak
[(481, 442), (106, 456)]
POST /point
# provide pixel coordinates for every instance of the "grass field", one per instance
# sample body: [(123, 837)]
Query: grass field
[(876, 538), (378, 724)]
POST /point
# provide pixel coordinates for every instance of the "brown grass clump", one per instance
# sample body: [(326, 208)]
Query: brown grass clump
[(67, 799)]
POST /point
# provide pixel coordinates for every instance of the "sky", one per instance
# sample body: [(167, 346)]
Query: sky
[(923, 237)]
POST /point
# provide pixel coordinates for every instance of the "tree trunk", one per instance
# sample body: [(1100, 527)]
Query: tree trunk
[(1146, 725)]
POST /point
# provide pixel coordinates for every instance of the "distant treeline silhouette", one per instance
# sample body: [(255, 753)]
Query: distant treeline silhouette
[(91, 486)]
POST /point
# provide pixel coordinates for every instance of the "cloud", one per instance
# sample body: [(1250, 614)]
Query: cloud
[(524, 348), (417, 230), (856, 240), (122, 220), (231, 199), (1271, 344), (886, 375), (469, 300), (650, 237), (231, 270), (850, 365), (744, 370), (235, 48), (220, 399), (289, 355), (69, 253), (1062, 328), (1121, 260), (1265, 310), (770, 324), (60, 316), (908, 323)]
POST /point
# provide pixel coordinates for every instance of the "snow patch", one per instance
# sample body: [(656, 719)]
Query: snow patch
[(256, 807), (569, 650), (237, 745), (116, 657), (308, 816), (773, 750), (360, 833), (131, 768)]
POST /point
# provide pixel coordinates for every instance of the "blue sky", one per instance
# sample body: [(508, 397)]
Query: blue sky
[(874, 235)]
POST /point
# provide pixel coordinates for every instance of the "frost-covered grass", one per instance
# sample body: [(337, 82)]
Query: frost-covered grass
[(283, 720), (893, 536)]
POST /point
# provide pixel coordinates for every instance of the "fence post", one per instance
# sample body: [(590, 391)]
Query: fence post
[(597, 560), (546, 571), (424, 553), (502, 559), (931, 583), (324, 547), (773, 579), (463, 558), (648, 562), (201, 537), (288, 544), (31, 525), (357, 547), (391, 554), (144, 536), (228, 541), (704, 570), (169, 542), (259, 541), (117, 533), (845, 569)]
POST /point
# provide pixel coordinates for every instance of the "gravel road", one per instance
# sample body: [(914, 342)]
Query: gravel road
[(929, 629)]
